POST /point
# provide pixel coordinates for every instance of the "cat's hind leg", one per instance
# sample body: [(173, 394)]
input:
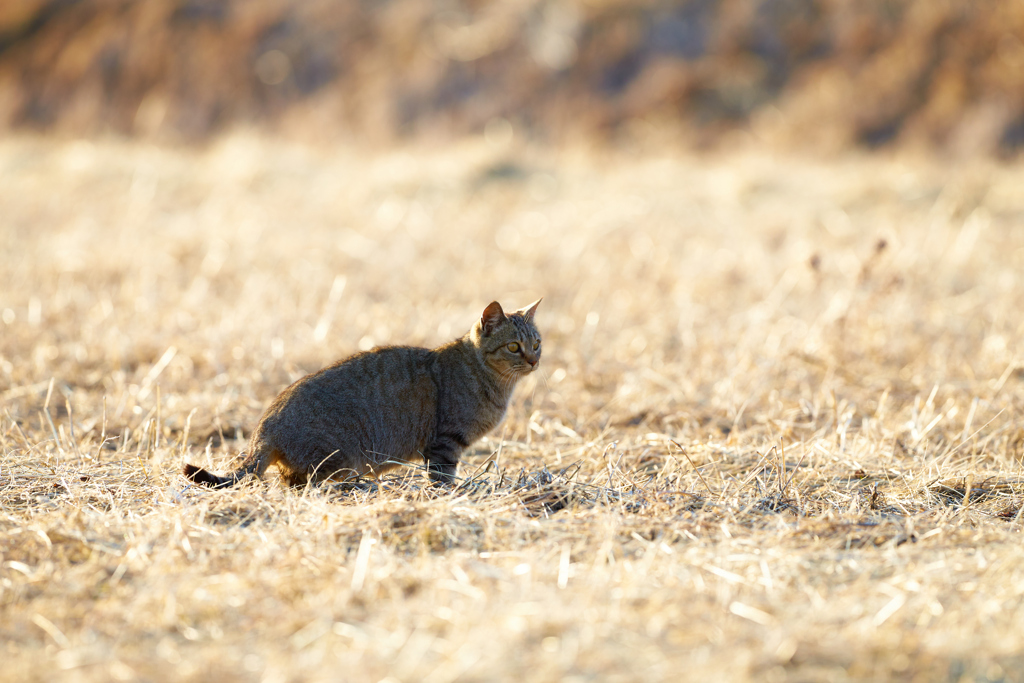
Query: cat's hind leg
[(296, 480)]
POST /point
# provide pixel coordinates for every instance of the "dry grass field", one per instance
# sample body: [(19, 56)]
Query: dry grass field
[(776, 434)]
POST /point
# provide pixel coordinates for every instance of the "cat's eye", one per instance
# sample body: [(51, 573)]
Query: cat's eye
[(513, 347), (536, 345)]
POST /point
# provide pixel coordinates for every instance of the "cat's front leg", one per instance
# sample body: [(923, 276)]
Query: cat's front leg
[(443, 456)]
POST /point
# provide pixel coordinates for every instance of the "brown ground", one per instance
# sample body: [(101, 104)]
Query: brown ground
[(835, 348)]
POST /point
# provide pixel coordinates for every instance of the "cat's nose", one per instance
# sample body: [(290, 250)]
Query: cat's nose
[(533, 362)]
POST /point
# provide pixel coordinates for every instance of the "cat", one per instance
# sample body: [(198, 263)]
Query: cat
[(393, 405)]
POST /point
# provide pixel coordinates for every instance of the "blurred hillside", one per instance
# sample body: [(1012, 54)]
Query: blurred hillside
[(829, 74)]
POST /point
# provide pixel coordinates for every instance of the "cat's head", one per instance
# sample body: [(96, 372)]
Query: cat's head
[(509, 344)]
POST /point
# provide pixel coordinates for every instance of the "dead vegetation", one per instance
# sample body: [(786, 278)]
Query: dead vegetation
[(815, 74), (776, 435)]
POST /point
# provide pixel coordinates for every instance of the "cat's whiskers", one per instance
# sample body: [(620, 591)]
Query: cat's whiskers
[(515, 374), (507, 380), (508, 372)]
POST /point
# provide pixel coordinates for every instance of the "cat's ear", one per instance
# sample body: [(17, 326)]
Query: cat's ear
[(491, 318), (528, 311)]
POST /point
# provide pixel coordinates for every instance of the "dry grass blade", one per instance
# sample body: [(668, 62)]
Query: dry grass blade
[(695, 470), (837, 514)]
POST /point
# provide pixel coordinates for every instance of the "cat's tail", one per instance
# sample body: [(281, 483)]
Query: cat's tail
[(253, 464), (201, 476), (256, 462)]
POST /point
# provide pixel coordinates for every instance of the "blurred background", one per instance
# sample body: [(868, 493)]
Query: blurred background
[(754, 223), (819, 74)]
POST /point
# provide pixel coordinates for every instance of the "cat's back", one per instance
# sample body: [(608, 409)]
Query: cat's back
[(385, 373), (384, 398)]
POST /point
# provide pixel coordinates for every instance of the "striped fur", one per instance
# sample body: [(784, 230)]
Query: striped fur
[(393, 405)]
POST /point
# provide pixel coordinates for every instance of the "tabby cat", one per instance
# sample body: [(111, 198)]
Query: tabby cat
[(393, 405)]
